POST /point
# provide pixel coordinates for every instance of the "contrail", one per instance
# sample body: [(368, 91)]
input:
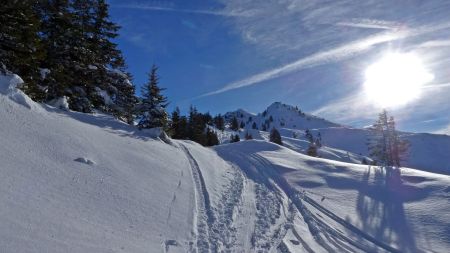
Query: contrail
[(332, 55), (205, 12)]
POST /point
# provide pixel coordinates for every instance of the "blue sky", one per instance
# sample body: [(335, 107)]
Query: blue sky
[(228, 54)]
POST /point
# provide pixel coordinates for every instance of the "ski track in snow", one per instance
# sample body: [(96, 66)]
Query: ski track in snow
[(327, 236), (216, 231), (204, 215)]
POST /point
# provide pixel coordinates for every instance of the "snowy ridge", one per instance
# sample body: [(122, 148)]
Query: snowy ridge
[(428, 152)]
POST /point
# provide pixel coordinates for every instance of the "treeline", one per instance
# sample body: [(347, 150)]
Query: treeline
[(65, 48), (195, 126)]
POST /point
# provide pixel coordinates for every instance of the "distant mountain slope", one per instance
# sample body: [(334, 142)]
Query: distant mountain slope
[(429, 152), (280, 116)]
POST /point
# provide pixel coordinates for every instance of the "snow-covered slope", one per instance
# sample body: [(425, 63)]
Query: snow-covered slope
[(74, 182), (429, 152), (280, 116)]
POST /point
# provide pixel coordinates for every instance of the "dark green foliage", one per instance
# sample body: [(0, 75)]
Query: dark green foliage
[(71, 40), (21, 50), (234, 124), (235, 138), (211, 138), (152, 109), (219, 122), (195, 128), (275, 136)]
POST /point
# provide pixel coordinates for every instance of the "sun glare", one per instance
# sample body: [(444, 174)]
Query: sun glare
[(395, 80)]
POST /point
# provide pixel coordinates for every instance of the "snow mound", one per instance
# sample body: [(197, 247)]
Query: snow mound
[(60, 103), (9, 86)]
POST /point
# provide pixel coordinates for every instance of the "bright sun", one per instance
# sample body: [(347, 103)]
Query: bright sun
[(395, 80)]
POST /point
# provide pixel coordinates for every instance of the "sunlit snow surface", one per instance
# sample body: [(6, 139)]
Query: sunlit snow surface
[(73, 182)]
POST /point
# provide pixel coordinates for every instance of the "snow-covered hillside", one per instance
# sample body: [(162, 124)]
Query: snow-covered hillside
[(429, 152), (73, 182)]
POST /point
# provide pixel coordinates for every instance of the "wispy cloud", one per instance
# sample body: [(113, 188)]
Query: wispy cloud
[(333, 55), (434, 43), (225, 13), (370, 24), (323, 57)]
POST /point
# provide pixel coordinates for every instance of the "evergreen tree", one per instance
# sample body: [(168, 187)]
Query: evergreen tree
[(21, 50), (242, 125), (263, 127), (234, 124), (211, 138), (152, 109), (312, 150), (196, 126), (123, 101), (385, 146), (175, 124), (235, 138), (254, 126), (275, 136), (308, 135), (219, 122), (318, 140)]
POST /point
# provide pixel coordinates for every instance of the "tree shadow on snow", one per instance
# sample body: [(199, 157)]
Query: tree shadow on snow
[(380, 207), (107, 122)]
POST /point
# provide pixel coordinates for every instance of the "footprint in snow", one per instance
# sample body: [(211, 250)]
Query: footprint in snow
[(84, 160)]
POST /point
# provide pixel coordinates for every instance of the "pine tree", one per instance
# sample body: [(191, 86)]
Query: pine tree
[(21, 50), (235, 138), (219, 122), (211, 138), (234, 124), (152, 109), (275, 136)]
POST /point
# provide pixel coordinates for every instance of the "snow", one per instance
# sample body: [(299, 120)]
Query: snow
[(74, 182), (60, 103), (44, 72)]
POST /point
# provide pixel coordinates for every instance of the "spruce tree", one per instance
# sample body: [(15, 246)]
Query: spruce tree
[(152, 109), (234, 124), (219, 122), (211, 138), (275, 136), (21, 49)]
